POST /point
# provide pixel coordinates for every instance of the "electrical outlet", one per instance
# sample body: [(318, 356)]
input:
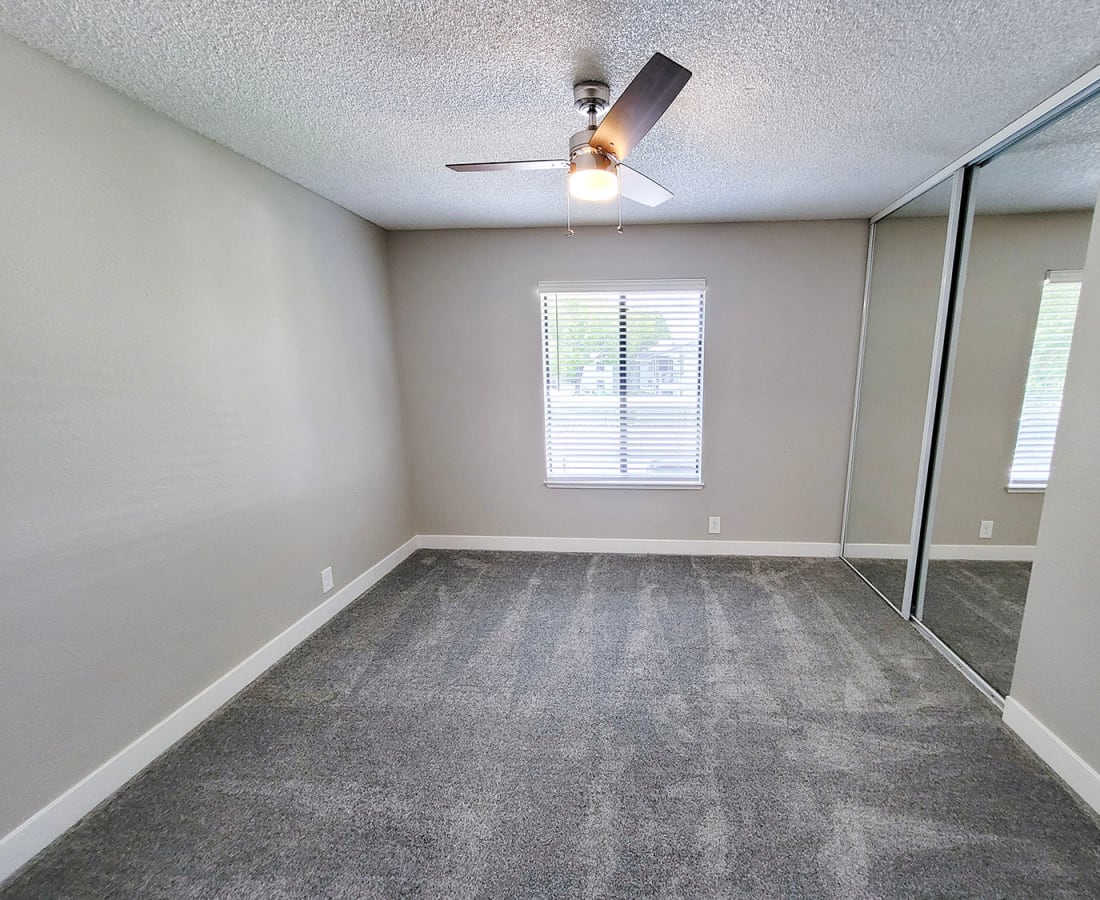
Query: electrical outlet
[(326, 580), (714, 525), (985, 529)]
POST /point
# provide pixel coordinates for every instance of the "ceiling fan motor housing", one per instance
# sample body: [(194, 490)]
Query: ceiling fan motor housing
[(583, 155), (579, 141)]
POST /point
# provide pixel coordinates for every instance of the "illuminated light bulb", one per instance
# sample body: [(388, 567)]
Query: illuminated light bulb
[(594, 185), (592, 178)]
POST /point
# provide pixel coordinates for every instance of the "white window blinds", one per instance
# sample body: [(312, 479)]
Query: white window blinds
[(1046, 376), (623, 375)]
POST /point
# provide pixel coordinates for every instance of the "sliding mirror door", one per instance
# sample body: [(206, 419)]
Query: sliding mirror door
[(1010, 335), (899, 346)]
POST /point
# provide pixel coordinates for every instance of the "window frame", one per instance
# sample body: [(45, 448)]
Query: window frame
[(623, 287)]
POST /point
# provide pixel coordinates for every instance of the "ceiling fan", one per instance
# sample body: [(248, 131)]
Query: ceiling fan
[(596, 153)]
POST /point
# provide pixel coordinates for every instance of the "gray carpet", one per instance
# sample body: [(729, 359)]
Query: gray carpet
[(539, 725), (976, 607)]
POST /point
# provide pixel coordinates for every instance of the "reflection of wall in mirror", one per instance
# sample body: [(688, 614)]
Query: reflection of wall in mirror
[(901, 322), (1009, 256), (1008, 259)]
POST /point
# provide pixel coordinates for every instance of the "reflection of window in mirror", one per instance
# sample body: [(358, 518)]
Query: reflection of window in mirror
[(1046, 377)]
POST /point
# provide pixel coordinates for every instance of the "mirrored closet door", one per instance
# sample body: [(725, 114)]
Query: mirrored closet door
[(1024, 246), (899, 343), (969, 312)]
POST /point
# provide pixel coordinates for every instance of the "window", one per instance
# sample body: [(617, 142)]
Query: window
[(1046, 376), (623, 376)]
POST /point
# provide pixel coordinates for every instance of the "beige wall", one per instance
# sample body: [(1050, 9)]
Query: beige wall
[(782, 319), (199, 412), (1008, 258), (1057, 673)]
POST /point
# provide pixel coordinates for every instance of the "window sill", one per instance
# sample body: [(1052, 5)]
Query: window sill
[(1025, 490), (631, 486)]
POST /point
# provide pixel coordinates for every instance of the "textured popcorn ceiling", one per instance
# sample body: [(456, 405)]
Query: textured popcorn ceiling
[(1055, 169), (809, 109)]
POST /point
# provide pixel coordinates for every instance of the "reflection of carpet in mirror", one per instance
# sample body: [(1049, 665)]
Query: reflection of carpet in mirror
[(887, 575), (974, 606)]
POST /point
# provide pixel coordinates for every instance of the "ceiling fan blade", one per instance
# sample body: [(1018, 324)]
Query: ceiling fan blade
[(640, 106), (640, 188), (510, 166)]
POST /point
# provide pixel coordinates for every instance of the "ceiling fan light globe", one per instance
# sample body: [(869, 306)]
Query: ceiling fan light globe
[(594, 185), (592, 175)]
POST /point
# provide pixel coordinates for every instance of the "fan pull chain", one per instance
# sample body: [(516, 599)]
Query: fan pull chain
[(568, 210), (619, 175)]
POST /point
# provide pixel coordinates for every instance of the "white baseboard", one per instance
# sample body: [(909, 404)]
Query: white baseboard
[(984, 552), (50, 822), (990, 552), (628, 545), (1051, 749), (876, 551)]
